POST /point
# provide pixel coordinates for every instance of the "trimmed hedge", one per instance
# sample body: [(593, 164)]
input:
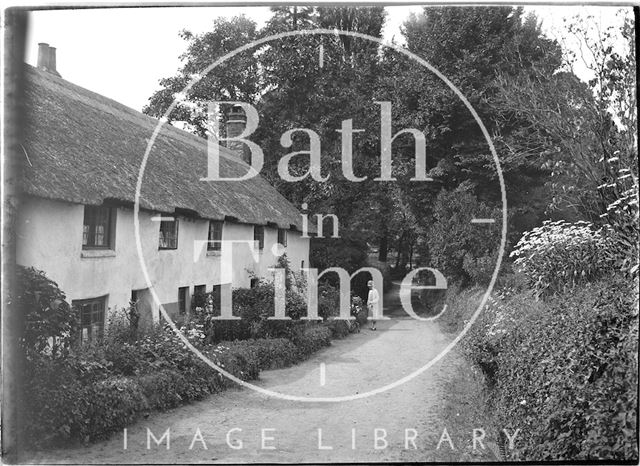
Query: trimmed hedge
[(101, 389), (86, 393), (564, 371)]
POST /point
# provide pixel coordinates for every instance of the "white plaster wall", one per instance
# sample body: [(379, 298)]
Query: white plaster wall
[(50, 239)]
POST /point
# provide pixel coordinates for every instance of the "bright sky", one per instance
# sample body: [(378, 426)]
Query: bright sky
[(123, 53)]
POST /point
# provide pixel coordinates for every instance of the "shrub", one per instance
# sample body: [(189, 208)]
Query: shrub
[(162, 389), (452, 236), (270, 353), (559, 255), (493, 330), (111, 404), (313, 339), (480, 269), (622, 217), (328, 300), (50, 323), (564, 370), (90, 391), (254, 306), (54, 403), (339, 328)]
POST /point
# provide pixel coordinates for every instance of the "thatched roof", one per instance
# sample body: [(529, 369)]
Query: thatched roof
[(85, 148)]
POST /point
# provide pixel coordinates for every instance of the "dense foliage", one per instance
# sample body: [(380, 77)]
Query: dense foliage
[(564, 371), (83, 393), (461, 250), (97, 390), (50, 323), (558, 255)]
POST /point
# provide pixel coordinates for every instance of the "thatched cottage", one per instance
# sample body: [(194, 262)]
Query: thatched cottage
[(82, 157)]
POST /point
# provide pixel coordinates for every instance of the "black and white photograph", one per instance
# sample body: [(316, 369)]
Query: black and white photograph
[(319, 233)]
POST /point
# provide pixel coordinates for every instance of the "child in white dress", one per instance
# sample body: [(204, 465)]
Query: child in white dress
[(372, 303)]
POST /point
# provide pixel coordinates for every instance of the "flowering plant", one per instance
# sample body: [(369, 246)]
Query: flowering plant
[(559, 254)]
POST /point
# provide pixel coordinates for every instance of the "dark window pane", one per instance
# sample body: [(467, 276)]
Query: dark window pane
[(258, 235), (215, 236), (97, 226), (282, 236), (168, 234), (91, 318)]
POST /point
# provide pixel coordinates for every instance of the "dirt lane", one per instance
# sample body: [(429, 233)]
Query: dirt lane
[(411, 414)]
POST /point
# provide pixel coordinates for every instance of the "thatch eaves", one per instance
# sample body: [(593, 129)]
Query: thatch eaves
[(85, 148)]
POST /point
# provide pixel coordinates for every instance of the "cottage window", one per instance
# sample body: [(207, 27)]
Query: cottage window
[(215, 236), (97, 229), (282, 236), (168, 234), (258, 236), (91, 318), (182, 299)]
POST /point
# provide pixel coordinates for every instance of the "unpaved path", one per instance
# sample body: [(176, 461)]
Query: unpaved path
[(359, 363)]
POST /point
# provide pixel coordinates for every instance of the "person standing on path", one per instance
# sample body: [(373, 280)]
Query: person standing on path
[(373, 300)]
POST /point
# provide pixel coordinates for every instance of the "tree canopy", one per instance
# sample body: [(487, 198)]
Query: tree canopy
[(547, 126)]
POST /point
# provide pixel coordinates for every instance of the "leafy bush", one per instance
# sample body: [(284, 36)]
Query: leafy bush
[(622, 217), (98, 389), (272, 353), (254, 306), (86, 392), (54, 406), (480, 269), (564, 370), (328, 300), (338, 328), (493, 330), (111, 405), (452, 236), (313, 339), (50, 323), (163, 389), (559, 255)]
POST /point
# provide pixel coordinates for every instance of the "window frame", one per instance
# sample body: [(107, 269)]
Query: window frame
[(284, 233), (162, 238), (80, 305), (109, 232), (258, 236), (214, 244)]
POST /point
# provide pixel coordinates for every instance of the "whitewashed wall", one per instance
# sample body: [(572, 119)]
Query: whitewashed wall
[(50, 239)]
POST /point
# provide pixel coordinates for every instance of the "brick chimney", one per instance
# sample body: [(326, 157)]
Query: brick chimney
[(47, 58), (236, 123)]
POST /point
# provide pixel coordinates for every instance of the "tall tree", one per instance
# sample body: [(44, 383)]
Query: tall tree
[(237, 79), (583, 132), (471, 47)]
